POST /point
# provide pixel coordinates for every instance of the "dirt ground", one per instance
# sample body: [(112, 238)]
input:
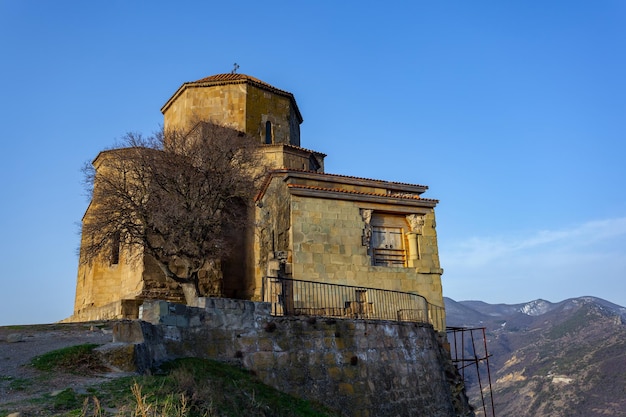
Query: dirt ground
[(20, 344)]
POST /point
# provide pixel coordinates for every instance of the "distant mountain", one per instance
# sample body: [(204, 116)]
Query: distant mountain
[(550, 359)]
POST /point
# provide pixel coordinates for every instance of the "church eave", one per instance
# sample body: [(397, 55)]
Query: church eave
[(398, 187), (395, 190), (335, 194)]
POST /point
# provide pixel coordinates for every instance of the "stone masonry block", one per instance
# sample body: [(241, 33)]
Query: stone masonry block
[(248, 345), (298, 237), (169, 320), (297, 269), (346, 389), (129, 332), (351, 372), (263, 360), (335, 373), (182, 321), (339, 259), (265, 345), (318, 248), (303, 258)]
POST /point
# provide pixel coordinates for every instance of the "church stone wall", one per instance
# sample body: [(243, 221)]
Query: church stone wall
[(224, 105), (328, 247), (100, 283), (287, 157), (273, 233), (264, 106), (113, 291)]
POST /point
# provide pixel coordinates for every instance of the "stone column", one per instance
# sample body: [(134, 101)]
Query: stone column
[(413, 249), (416, 222)]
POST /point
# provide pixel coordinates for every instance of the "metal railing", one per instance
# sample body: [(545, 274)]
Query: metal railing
[(468, 351), (389, 257), (290, 297)]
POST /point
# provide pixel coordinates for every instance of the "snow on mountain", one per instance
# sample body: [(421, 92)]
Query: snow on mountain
[(536, 307)]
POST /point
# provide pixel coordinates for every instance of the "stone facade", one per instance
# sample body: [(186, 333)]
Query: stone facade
[(309, 225), (325, 224), (363, 368)]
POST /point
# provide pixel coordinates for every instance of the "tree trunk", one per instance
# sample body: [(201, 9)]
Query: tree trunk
[(190, 291)]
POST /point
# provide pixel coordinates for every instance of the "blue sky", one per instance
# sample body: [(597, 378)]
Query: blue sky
[(513, 113)]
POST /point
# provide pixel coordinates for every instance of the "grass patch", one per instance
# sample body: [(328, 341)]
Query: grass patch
[(182, 388), (233, 387), (16, 384), (19, 384), (79, 359), (66, 400), (210, 388), (16, 327)]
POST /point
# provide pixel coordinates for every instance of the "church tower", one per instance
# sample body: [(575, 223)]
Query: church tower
[(249, 105)]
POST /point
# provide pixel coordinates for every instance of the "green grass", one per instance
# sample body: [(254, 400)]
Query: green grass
[(211, 388), (182, 388), (77, 359), (66, 400), (17, 384), (20, 384)]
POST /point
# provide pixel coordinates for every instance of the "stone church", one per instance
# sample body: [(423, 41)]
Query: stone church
[(310, 225)]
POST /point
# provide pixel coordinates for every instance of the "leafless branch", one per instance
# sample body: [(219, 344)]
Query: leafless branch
[(173, 196)]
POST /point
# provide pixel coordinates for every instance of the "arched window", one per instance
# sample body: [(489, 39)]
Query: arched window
[(268, 132)]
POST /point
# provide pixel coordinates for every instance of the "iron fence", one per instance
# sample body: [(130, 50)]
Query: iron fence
[(290, 297), (468, 350)]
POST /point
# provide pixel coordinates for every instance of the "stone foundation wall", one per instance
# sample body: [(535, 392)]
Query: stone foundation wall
[(122, 309), (364, 368)]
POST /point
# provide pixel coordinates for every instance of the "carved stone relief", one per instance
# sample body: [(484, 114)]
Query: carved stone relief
[(366, 214), (416, 221)]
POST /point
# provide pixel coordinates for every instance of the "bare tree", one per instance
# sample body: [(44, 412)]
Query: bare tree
[(175, 197)]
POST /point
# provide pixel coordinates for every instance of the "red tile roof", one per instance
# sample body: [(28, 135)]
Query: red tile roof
[(298, 148), (339, 190), (395, 189), (234, 78), (382, 182)]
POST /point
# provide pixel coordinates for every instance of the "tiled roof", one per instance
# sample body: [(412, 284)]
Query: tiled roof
[(382, 182), (339, 190), (290, 146), (234, 78), (395, 189), (227, 77)]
